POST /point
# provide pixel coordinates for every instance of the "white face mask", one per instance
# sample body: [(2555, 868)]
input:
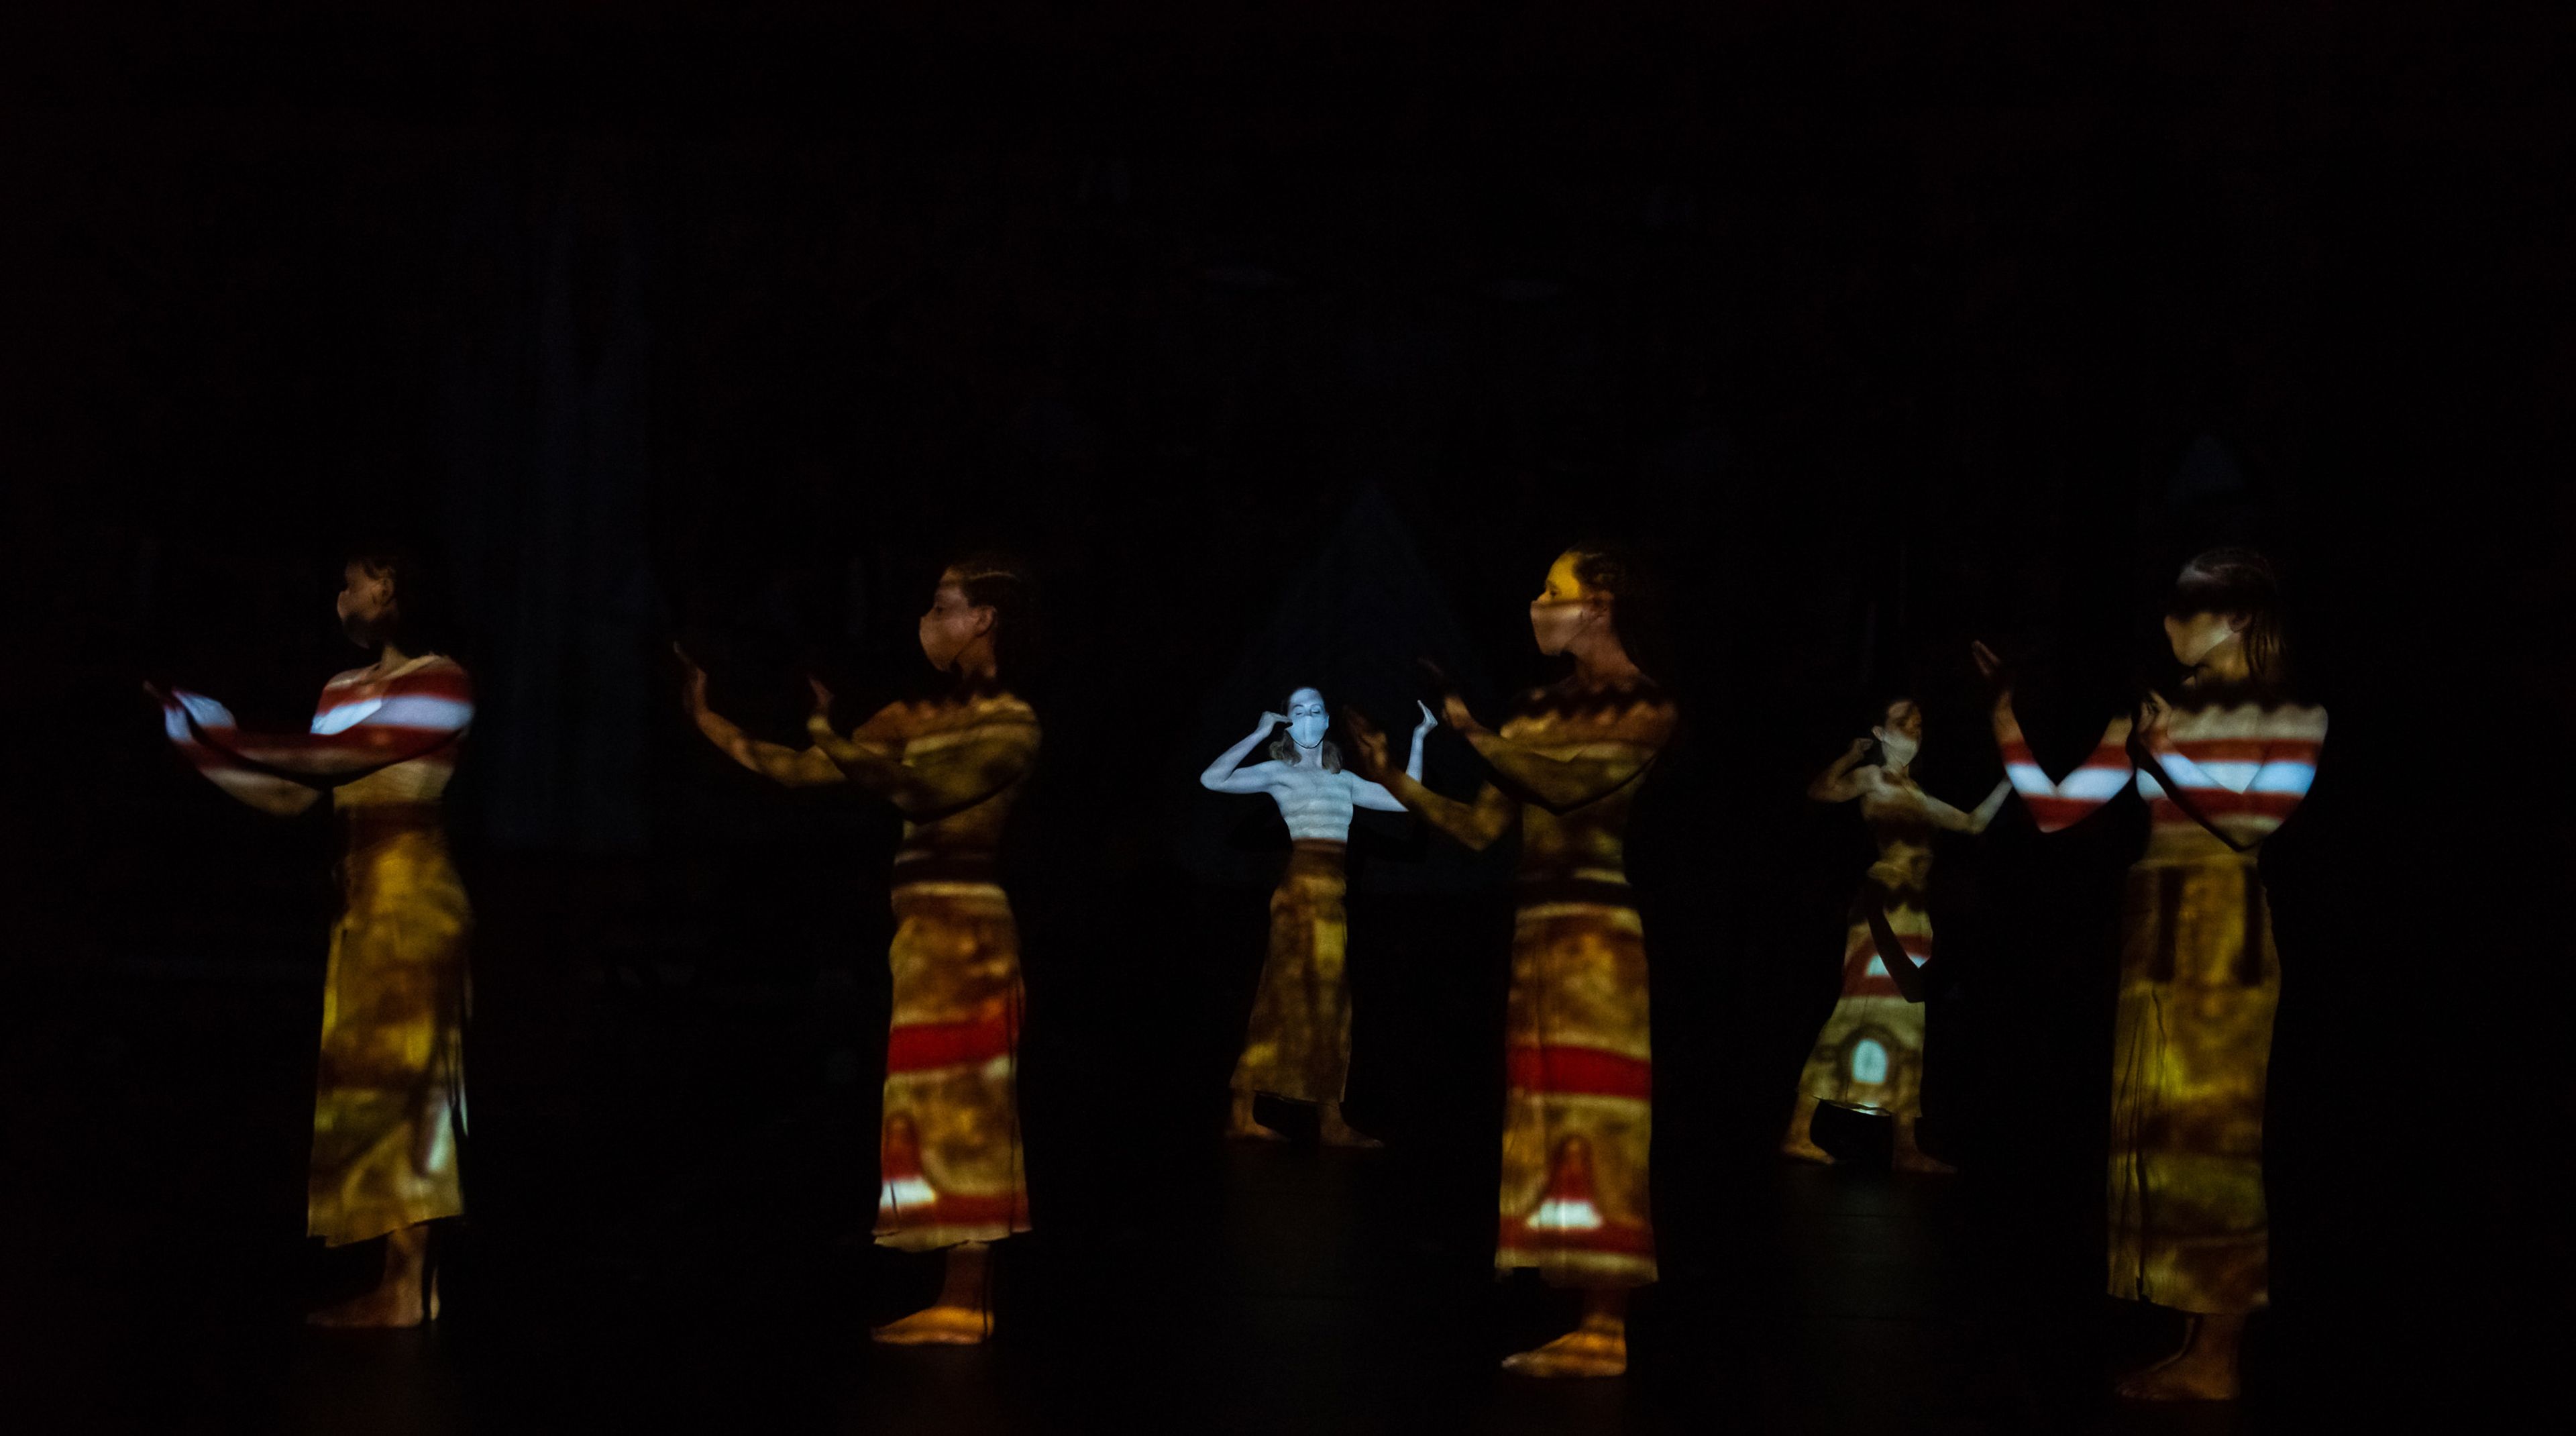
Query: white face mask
[(1306, 720), (1895, 750)]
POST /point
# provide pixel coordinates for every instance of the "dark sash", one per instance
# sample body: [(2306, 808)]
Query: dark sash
[(1891, 952), (2153, 767)]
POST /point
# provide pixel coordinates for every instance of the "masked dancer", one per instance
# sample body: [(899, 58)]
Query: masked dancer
[(2219, 768), (389, 1103), (1298, 1045), (1567, 764), (1870, 1053), (949, 1143)]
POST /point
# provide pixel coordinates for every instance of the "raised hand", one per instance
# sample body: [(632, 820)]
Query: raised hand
[(1270, 721), (1444, 694), (693, 683), (1367, 754), (822, 695), (1861, 744), (1430, 720)]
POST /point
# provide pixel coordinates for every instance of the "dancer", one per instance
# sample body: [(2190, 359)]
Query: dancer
[(1568, 763), (949, 1144), (2199, 977), (389, 1102), (1298, 1045), (1870, 1053)]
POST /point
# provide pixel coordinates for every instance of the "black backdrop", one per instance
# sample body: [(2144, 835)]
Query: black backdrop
[(1886, 327)]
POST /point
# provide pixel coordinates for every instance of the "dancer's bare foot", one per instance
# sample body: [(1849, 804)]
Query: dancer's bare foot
[(1908, 1157), (1599, 1347), (1797, 1143), (2204, 1370), (1332, 1131), (395, 1303), (1804, 1149), (1239, 1124), (941, 1325), (963, 1315)]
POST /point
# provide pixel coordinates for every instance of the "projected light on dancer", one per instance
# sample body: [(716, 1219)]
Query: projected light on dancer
[(1870, 1053), (950, 1173), (2199, 976), (1298, 1045), (1567, 765), (389, 1101)]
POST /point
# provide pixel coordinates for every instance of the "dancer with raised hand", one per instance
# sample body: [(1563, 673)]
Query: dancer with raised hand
[(949, 1143), (1870, 1053), (2199, 977), (1298, 1045), (1567, 764), (389, 1101)]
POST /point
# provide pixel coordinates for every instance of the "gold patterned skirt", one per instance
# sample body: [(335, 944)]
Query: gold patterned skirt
[(1577, 1105), (949, 1144), (1298, 1044), (2199, 980), (390, 1097), (1870, 1053)]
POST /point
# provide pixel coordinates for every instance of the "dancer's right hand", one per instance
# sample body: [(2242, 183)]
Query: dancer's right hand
[(1270, 721), (693, 683)]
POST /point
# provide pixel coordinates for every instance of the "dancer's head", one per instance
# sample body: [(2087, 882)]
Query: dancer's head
[(1899, 732), (982, 616), (1598, 597), (2228, 596), (1306, 723), (385, 597)]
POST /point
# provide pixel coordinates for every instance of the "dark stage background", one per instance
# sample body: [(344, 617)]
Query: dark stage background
[(1287, 345)]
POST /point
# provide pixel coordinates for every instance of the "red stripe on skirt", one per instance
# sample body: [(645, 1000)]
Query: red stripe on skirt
[(1578, 1072)]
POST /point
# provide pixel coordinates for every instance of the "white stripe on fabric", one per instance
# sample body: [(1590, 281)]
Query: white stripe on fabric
[(341, 717), (2289, 776), (421, 710)]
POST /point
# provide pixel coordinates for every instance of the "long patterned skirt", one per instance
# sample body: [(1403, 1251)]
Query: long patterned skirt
[(1577, 1109), (949, 1146), (390, 1099), (2199, 979), (1298, 1044), (1870, 1053)]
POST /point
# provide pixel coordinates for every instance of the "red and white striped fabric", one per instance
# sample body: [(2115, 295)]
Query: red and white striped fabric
[(2245, 766), (361, 726)]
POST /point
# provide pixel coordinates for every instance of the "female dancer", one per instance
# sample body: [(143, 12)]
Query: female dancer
[(949, 1145), (1299, 1043), (389, 1101), (1870, 1054), (1569, 762), (2198, 974)]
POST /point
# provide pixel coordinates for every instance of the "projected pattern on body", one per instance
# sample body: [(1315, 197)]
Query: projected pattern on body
[(2199, 975), (1870, 1053), (1579, 1069), (1298, 1044), (389, 1097), (950, 1171)]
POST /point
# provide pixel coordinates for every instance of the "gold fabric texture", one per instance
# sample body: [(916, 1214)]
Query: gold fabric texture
[(2199, 980), (1298, 1044), (390, 1098)]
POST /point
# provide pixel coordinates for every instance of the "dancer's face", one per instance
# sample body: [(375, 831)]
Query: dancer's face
[(1563, 611), (365, 604), (952, 624), (2195, 635), (1306, 717), (1904, 720)]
